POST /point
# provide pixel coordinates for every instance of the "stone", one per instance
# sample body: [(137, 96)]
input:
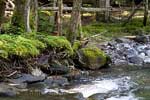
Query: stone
[(27, 78), (131, 53), (122, 40), (142, 39), (120, 62), (148, 53), (135, 60), (7, 90), (147, 61), (141, 48), (127, 45), (92, 58), (37, 72), (56, 69), (18, 85), (56, 81), (142, 55)]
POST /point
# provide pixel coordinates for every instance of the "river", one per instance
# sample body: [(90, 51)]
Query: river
[(116, 83)]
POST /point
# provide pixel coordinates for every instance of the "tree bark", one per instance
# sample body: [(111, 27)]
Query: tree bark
[(27, 16), (35, 14), (131, 15), (21, 17), (2, 13), (60, 15), (107, 12), (75, 23), (145, 13)]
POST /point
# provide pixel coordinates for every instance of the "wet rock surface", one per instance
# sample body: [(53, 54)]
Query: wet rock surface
[(27, 78), (7, 90), (125, 51)]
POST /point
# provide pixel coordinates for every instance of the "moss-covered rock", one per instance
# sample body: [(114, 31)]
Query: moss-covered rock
[(77, 45), (59, 43), (92, 58)]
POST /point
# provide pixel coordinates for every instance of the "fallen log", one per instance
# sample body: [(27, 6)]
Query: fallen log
[(83, 9)]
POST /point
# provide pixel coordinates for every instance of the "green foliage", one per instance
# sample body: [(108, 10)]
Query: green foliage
[(111, 30), (19, 46), (58, 42), (77, 45), (92, 57), (93, 52), (45, 24), (29, 45)]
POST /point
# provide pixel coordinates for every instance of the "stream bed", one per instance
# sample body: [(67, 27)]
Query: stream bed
[(116, 83)]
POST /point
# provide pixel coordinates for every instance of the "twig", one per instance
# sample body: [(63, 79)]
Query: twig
[(12, 74)]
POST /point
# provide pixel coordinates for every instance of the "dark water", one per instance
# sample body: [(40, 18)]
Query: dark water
[(139, 76)]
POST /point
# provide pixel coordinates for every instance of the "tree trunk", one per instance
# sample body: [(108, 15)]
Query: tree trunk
[(131, 15), (58, 17), (100, 16), (2, 13), (145, 13), (21, 18), (60, 14), (75, 23), (27, 16), (35, 15), (107, 12)]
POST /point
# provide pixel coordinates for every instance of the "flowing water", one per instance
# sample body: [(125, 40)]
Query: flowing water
[(119, 84)]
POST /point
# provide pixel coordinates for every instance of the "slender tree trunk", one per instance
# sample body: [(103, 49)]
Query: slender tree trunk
[(27, 16), (21, 17), (60, 15), (145, 13), (99, 15), (75, 25), (2, 12), (131, 15), (35, 15), (55, 16), (107, 12), (18, 17)]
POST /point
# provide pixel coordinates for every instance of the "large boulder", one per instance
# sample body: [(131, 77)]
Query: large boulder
[(92, 58)]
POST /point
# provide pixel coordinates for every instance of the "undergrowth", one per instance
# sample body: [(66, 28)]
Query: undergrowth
[(31, 45), (113, 30)]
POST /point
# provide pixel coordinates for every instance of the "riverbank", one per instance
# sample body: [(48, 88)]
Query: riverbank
[(63, 80)]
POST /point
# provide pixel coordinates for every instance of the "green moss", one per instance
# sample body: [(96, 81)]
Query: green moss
[(19, 46), (113, 30), (45, 23), (58, 42), (31, 44), (92, 53), (93, 57), (77, 45), (18, 16)]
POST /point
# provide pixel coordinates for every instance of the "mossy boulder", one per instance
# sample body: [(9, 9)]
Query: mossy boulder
[(77, 45), (92, 58)]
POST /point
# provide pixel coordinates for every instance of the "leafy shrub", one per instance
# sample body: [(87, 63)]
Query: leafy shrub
[(45, 24), (19, 46), (57, 42)]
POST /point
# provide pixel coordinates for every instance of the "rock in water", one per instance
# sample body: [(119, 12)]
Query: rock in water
[(92, 58), (56, 81), (8, 91), (56, 69), (142, 39), (136, 60), (27, 78), (147, 60), (122, 40)]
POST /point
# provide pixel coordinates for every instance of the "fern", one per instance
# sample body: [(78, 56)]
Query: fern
[(58, 42), (31, 45)]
